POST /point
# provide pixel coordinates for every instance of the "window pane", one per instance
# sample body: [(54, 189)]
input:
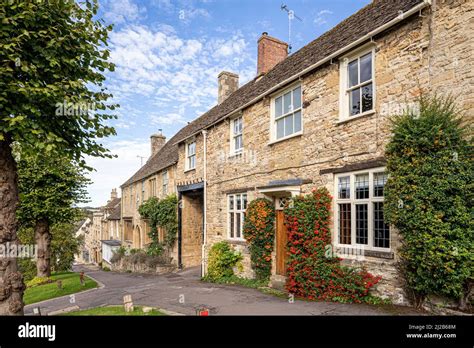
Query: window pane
[(362, 224), (288, 125), (287, 103), (231, 222), (238, 142), (380, 179), (366, 67), (353, 73), (297, 121), (231, 202), (278, 106), (344, 187), (297, 98), (381, 229), (362, 186), (354, 103), (238, 225), (367, 103), (345, 223), (244, 199), (280, 128), (238, 202)]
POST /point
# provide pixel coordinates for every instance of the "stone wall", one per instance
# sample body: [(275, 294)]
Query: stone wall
[(425, 53), (132, 223), (192, 229)]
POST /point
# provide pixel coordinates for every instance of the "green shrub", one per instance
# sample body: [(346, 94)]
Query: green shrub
[(429, 199), (38, 281), (222, 259), (27, 268)]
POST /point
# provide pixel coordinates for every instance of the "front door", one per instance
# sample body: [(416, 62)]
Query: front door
[(281, 241)]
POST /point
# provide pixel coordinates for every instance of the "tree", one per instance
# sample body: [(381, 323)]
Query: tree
[(429, 199), (49, 189), (53, 56), (64, 245)]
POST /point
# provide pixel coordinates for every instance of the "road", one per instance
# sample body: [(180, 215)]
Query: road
[(184, 293)]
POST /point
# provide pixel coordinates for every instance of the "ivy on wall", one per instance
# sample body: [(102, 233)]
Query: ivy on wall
[(429, 199), (163, 214), (311, 273), (259, 232)]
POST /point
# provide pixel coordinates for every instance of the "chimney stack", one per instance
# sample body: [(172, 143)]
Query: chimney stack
[(157, 142), (271, 51), (113, 194), (228, 83)]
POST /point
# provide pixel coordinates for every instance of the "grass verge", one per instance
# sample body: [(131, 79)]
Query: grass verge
[(114, 310), (70, 285)]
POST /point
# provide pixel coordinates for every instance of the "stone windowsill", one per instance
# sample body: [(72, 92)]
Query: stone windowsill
[(237, 242)]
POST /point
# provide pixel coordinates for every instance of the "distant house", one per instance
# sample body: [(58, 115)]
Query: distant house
[(105, 226), (83, 229), (315, 118)]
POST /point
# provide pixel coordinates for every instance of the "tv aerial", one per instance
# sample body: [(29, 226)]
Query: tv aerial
[(291, 16)]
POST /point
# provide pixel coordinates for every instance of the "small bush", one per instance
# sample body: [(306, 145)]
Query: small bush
[(36, 281), (106, 269), (222, 259)]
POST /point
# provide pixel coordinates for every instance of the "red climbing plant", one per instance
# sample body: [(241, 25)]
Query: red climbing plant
[(259, 232), (311, 272)]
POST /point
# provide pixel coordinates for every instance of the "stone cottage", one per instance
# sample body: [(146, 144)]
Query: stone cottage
[(318, 117)]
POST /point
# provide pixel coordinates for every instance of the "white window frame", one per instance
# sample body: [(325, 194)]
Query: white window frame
[(234, 211), (273, 123), (152, 183), (188, 156), (165, 181), (344, 98), (234, 135), (353, 202)]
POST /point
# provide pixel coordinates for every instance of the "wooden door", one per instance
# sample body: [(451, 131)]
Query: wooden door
[(281, 240)]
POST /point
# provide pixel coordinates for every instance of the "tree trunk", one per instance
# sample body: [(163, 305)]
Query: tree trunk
[(43, 244), (11, 280)]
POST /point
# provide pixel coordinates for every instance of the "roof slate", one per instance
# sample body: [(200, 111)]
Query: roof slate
[(369, 18), (116, 213)]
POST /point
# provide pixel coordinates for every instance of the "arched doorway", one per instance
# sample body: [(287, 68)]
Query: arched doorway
[(137, 237)]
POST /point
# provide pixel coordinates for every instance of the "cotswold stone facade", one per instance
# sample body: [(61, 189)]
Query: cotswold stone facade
[(318, 118)]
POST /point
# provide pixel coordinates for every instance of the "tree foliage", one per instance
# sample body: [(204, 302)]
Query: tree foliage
[(429, 199), (54, 53), (49, 188)]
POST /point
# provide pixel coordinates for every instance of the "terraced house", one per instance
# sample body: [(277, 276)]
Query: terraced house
[(318, 117)]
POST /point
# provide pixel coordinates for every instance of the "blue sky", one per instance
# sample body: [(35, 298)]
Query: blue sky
[(168, 54)]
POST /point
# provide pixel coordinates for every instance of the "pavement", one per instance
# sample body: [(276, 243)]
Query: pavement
[(184, 293)]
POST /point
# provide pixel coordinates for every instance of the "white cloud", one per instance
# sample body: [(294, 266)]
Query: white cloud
[(120, 11), (321, 17), (163, 66), (111, 173)]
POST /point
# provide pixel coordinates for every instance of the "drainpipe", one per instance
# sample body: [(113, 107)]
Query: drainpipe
[(204, 237)]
